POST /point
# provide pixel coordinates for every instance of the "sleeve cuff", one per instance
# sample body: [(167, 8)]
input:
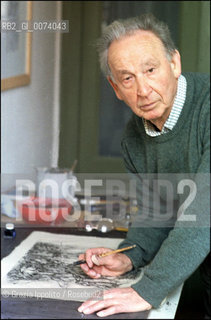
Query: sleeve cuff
[(147, 289), (134, 254)]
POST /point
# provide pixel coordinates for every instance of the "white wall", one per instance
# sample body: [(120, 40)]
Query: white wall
[(30, 114)]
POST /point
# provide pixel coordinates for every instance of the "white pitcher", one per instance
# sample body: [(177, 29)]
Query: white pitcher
[(56, 183)]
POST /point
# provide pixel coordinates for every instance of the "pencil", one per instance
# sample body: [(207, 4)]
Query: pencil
[(116, 251), (76, 263)]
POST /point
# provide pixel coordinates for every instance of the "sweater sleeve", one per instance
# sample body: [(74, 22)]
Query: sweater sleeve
[(179, 256), (175, 253), (142, 254)]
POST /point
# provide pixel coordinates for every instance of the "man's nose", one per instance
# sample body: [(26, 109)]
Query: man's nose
[(143, 87)]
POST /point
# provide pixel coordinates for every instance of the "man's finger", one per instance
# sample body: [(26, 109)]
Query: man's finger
[(94, 306), (108, 312)]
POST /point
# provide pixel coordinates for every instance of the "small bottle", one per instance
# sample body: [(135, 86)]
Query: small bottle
[(128, 220), (9, 231)]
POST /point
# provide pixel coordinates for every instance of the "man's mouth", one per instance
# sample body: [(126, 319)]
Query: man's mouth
[(147, 106)]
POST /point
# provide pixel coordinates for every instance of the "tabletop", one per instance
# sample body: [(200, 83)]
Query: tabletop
[(54, 309)]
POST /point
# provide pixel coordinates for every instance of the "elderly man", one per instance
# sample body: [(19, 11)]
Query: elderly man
[(168, 133)]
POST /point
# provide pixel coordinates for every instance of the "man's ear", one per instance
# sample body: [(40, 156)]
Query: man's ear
[(115, 87), (176, 64)]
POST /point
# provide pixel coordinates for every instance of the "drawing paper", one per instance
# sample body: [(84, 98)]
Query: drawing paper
[(42, 263)]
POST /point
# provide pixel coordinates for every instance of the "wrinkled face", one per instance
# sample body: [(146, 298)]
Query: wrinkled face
[(143, 77)]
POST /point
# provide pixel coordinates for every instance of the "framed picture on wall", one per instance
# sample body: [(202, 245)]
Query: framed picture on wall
[(15, 44)]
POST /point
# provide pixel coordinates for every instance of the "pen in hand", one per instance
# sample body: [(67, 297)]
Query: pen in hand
[(76, 263)]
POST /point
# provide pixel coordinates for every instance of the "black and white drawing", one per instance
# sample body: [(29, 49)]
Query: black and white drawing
[(43, 260)]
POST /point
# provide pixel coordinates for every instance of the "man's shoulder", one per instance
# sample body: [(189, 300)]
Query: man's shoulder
[(196, 75), (198, 90), (197, 79)]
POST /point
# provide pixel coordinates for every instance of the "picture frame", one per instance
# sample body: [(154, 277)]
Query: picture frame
[(16, 44)]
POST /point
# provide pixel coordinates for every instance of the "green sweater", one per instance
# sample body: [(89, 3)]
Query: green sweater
[(172, 254)]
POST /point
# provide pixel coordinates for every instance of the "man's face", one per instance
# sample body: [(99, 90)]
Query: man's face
[(143, 76)]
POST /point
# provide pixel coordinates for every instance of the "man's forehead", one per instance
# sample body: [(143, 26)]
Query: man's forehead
[(141, 40), (124, 59), (145, 63)]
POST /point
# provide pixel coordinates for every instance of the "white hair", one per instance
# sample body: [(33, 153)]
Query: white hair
[(121, 28)]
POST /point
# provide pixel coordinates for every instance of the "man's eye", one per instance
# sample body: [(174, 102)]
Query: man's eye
[(127, 78), (151, 70)]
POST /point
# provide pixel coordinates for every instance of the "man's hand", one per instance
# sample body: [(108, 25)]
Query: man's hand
[(118, 300), (112, 265)]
